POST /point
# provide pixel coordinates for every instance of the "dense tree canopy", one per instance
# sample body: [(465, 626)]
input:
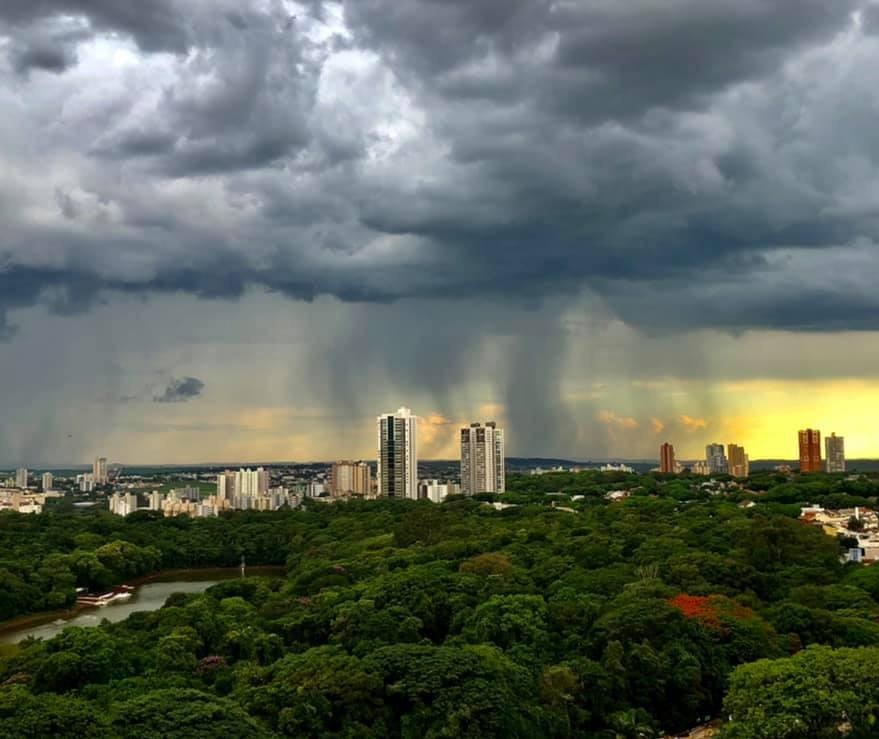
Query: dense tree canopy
[(400, 619)]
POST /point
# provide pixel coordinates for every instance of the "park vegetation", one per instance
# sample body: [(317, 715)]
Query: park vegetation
[(565, 615)]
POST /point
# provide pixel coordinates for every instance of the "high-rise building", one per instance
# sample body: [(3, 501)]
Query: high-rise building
[(99, 471), (834, 453), (482, 459), (810, 451), (397, 469), (251, 483), (243, 483), (226, 485), (48, 481), (350, 478), (21, 478), (667, 461), (716, 459), (739, 464)]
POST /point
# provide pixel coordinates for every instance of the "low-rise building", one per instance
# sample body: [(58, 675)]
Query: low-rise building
[(436, 491)]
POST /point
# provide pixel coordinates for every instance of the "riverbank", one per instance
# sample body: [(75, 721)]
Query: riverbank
[(192, 574), (182, 574)]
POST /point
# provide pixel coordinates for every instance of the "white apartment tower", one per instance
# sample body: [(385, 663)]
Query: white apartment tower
[(482, 459), (21, 478), (48, 482), (226, 486), (397, 474), (99, 471), (834, 453), (245, 483), (716, 459)]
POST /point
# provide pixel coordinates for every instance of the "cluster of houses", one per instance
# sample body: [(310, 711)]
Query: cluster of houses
[(861, 524)]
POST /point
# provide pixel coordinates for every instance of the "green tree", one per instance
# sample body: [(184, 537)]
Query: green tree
[(817, 693)]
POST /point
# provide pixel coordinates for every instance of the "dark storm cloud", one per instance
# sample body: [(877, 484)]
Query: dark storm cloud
[(157, 25), (603, 60), (181, 391), (49, 58), (657, 154)]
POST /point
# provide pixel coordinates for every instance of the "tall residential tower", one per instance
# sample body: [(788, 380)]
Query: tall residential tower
[(99, 471), (397, 473), (739, 465), (716, 459), (350, 478), (834, 453), (482, 459), (667, 461), (810, 451)]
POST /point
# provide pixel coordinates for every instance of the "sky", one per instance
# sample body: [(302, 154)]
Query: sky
[(240, 230)]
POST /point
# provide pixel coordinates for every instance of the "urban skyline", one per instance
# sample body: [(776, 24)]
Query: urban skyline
[(822, 450)]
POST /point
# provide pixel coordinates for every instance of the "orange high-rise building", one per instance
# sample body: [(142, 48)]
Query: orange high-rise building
[(667, 458), (810, 451)]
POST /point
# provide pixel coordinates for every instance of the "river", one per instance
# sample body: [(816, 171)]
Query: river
[(147, 597)]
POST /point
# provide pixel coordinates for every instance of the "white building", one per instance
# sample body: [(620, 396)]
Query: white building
[(123, 504), (86, 483), (482, 459), (245, 483), (251, 483), (99, 471), (226, 486), (716, 459), (316, 489), (48, 481), (834, 453), (397, 475), (436, 491), (617, 468), (21, 477), (155, 500)]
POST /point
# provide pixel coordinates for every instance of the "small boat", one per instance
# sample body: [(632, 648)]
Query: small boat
[(106, 598)]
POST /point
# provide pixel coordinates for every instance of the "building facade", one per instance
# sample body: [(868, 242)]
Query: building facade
[(397, 457), (350, 478), (436, 491), (99, 471), (243, 483), (482, 459), (834, 453), (21, 478), (667, 461), (48, 481), (739, 464), (810, 451), (716, 459)]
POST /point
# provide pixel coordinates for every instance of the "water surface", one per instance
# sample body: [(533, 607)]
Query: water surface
[(147, 597)]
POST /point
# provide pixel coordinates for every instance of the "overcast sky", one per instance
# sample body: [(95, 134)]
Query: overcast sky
[(239, 230)]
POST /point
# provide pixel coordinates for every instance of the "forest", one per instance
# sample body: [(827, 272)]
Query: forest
[(563, 615)]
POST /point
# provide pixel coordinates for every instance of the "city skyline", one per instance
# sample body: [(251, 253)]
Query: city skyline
[(718, 456)]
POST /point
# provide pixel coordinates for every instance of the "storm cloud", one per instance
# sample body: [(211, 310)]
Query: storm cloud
[(180, 391), (375, 150), (684, 165)]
